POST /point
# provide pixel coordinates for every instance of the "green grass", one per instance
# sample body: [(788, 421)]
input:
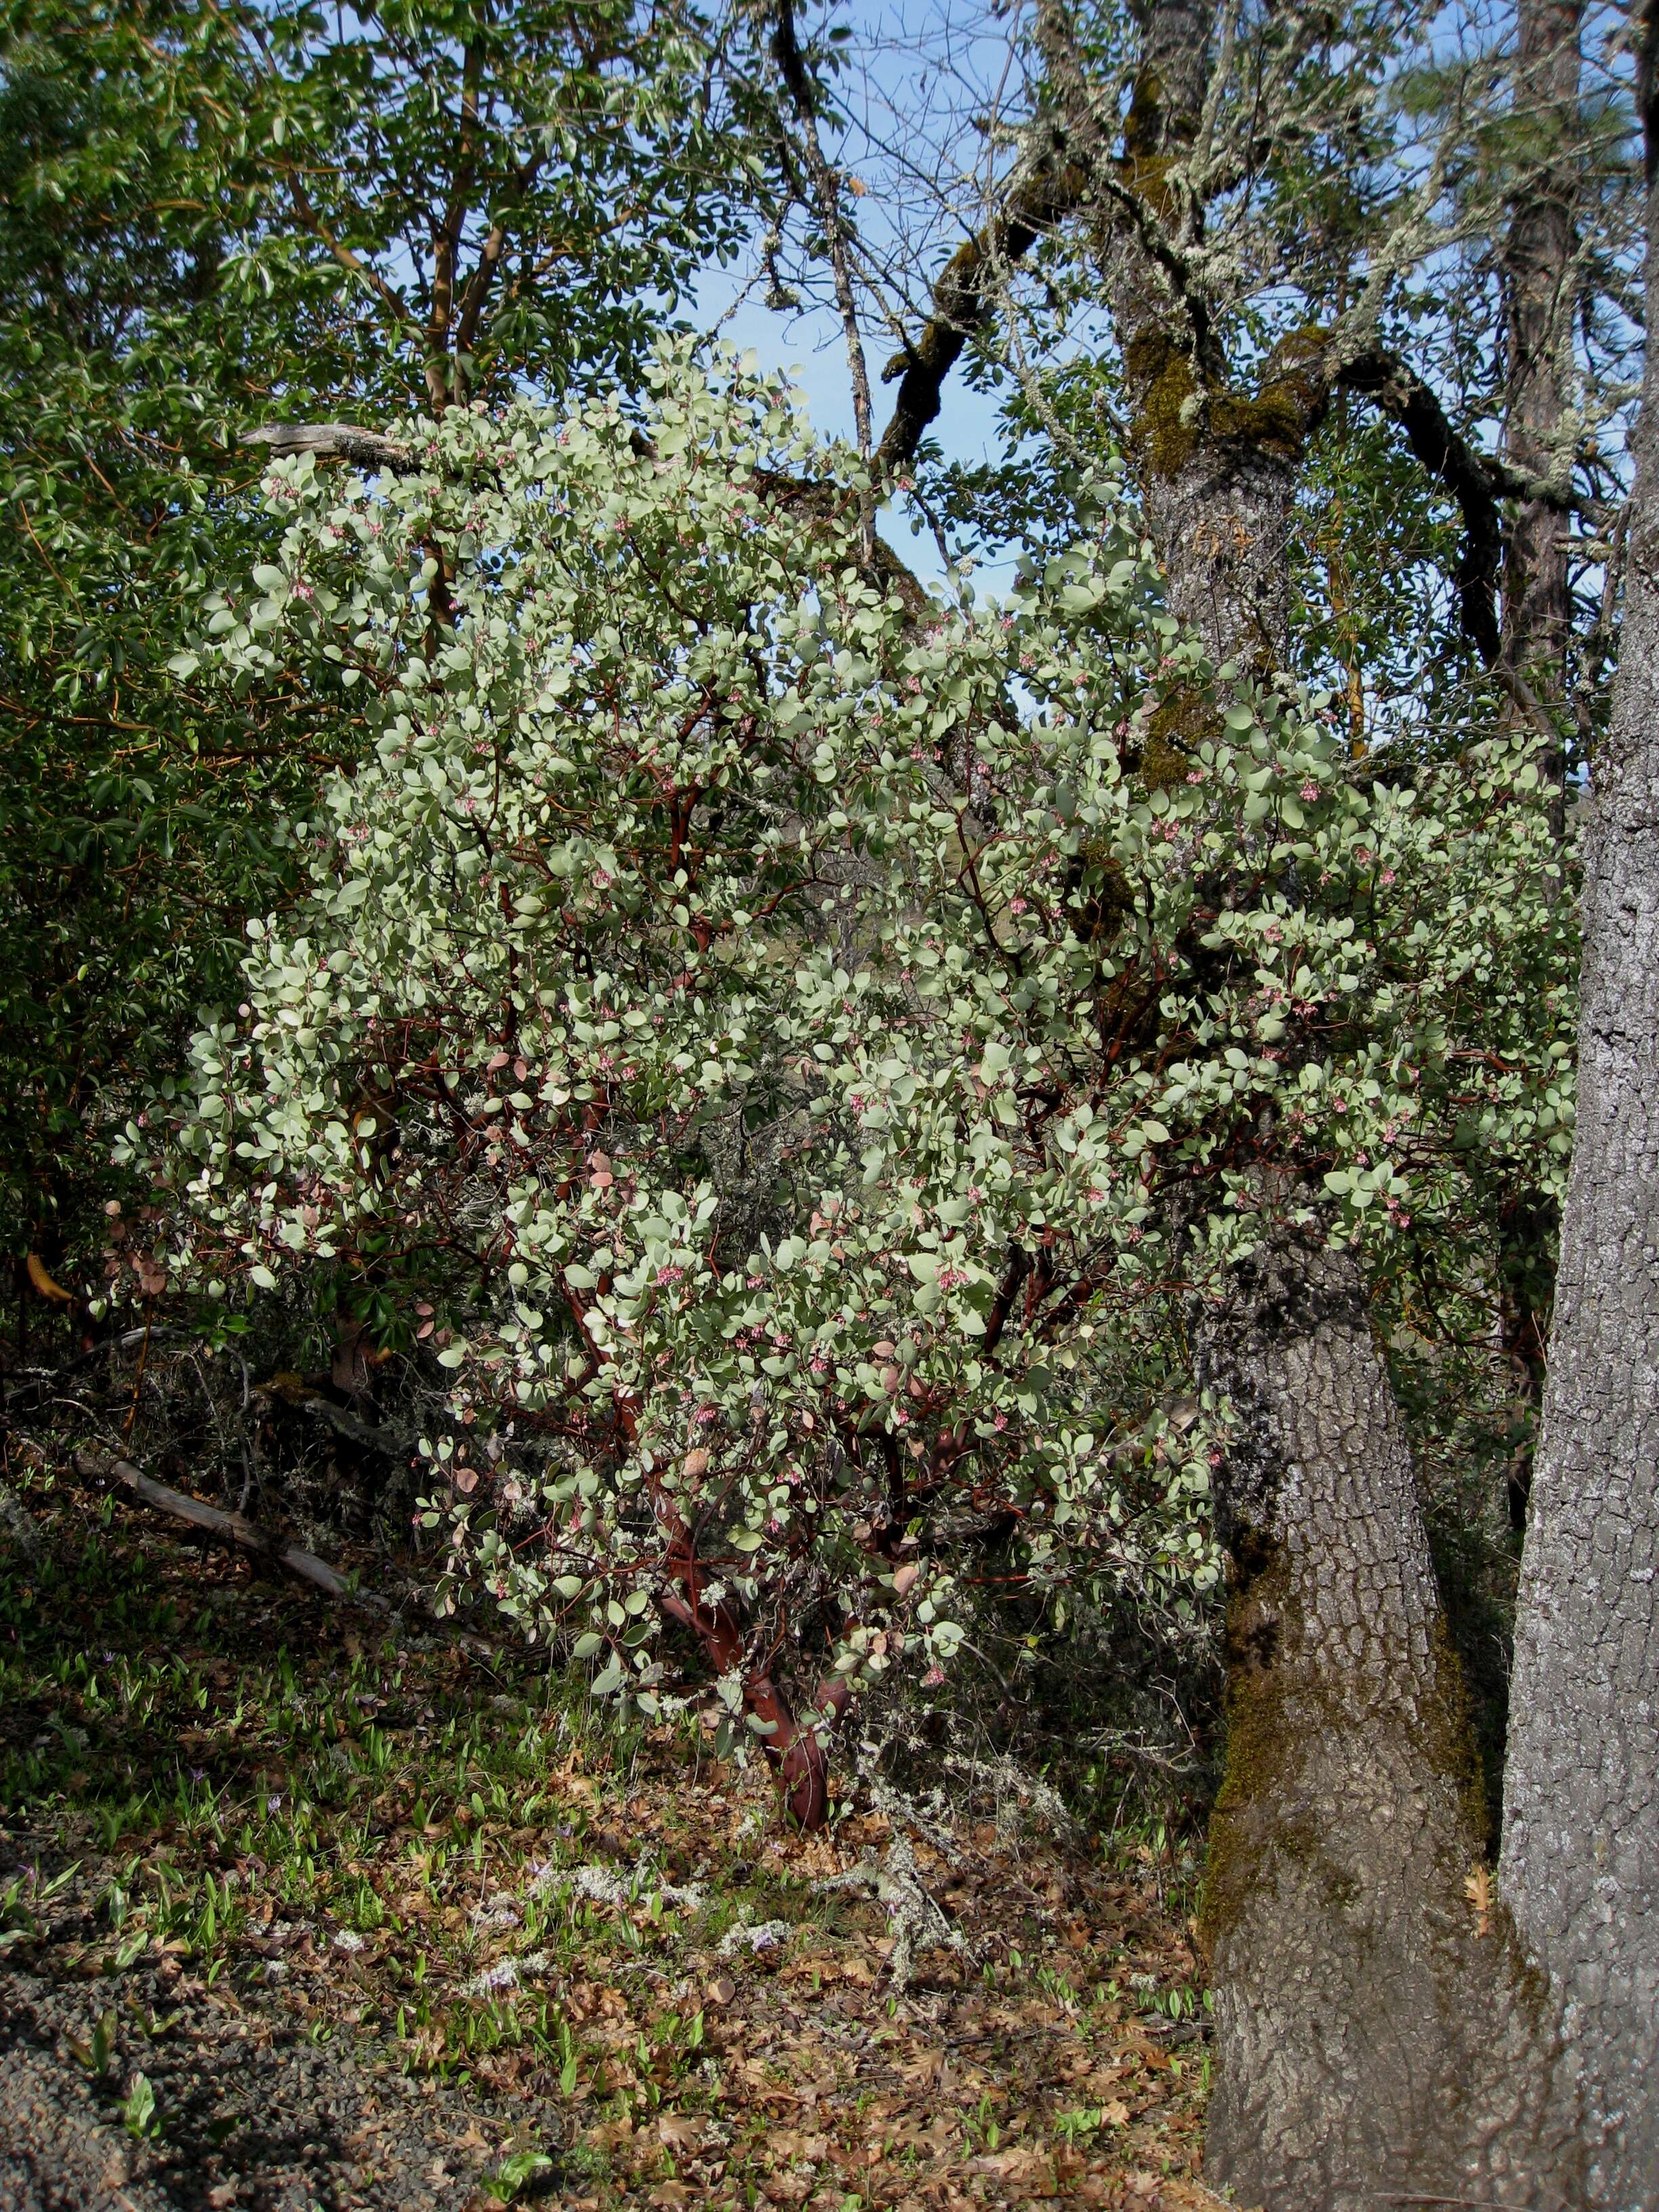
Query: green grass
[(209, 1780), (181, 1730)]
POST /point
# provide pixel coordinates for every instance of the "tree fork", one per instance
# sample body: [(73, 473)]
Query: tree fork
[(795, 1751)]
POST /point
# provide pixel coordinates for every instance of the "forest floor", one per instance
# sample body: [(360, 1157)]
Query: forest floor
[(302, 1906)]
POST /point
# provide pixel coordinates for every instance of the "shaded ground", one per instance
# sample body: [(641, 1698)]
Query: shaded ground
[(298, 1908), (247, 2109)]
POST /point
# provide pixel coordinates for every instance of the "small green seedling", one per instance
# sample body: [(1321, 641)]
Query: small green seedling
[(15, 1921), (517, 2168), (138, 2113), (95, 2053)]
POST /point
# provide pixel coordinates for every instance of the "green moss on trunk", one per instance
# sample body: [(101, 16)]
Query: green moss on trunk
[(1172, 413), (1285, 1697), (1165, 401)]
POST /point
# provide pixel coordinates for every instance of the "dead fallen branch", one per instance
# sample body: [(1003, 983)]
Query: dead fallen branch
[(235, 1528)]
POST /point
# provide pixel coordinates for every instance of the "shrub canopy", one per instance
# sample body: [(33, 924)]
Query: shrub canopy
[(786, 1055)]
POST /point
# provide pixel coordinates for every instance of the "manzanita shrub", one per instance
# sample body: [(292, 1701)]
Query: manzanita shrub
[(784, 1056)]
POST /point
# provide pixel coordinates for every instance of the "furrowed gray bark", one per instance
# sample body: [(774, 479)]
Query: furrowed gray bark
[(1580, 1866), (1379, 2037)]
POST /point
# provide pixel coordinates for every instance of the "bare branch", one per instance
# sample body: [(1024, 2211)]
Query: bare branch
[(334, 441), (233, 1527), (1042, 191), (791, 67)]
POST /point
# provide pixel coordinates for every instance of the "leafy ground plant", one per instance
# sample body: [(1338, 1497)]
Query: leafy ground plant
[(399, 1919)]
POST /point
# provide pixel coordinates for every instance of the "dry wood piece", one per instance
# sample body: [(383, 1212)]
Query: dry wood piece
[(235, 1528), (332, 442)]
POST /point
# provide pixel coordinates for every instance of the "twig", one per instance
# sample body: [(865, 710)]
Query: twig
[(918, 1923), (1480, 2203), (137, 1380)]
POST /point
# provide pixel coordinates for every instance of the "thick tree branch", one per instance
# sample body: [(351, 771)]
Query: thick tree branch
[(334, 441), (476, 290), (1145, 188), (1042, 193), (1477, 482), (1541, 291), (446, 235)]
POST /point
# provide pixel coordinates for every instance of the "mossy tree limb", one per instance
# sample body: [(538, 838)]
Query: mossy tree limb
[(1199, 433)]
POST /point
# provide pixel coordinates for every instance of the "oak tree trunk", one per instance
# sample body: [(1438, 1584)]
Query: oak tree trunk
[(1381, 2035), (1376, 2026), (1580, 1865), (1378, 2036), (1367, 2034)]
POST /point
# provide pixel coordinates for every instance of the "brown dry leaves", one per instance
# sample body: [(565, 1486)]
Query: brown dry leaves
[(1032, 2073), (647, 2045)]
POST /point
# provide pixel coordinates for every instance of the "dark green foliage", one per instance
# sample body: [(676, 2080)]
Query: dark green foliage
[(221, 216)]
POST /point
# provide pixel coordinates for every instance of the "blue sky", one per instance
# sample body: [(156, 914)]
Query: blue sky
[(915, 71), (808, 345)]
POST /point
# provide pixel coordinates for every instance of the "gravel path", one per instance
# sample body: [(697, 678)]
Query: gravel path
[(250, 2112)]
